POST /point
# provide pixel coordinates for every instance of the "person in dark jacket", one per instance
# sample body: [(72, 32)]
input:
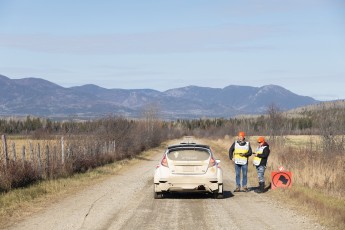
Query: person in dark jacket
[(239, 152), (260, 161)]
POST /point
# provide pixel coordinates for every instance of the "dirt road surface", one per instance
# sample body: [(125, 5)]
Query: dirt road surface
[(125, 201)]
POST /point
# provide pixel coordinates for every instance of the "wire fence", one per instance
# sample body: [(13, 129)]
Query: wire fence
[(23, 162)]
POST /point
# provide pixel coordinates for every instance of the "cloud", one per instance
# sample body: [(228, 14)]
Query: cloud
[(222, 38), (37, 71), (326, 97)]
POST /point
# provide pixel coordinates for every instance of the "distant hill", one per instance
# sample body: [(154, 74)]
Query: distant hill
[(315, 108), (38, 97)]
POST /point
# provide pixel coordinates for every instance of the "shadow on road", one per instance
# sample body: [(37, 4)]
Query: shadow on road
[(227, 194), (191, 195), (268, 187)]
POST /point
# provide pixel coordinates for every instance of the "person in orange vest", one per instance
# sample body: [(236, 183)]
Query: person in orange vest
[(260, 161), (239, 152)]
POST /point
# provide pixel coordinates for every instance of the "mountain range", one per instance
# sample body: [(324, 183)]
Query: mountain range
[(39, 97)]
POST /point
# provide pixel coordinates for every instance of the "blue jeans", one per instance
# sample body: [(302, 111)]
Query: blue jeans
[(238, 169), (261, 173)]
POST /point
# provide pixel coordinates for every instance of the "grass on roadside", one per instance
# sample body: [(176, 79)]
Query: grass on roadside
[(18, 203), (329, 211), (318, 202)]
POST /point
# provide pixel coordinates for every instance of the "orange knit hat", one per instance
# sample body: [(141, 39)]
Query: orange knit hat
[(241, 134), (261, 139)]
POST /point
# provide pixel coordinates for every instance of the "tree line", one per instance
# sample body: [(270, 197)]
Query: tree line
[(323, 121)]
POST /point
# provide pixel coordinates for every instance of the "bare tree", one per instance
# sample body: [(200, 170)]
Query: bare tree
[(151, 119), (275, 120)]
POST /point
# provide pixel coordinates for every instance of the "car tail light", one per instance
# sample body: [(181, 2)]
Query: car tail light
[(212, 162), (164, 161)]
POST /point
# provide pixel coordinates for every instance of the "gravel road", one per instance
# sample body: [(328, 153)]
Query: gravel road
[(125, 201)]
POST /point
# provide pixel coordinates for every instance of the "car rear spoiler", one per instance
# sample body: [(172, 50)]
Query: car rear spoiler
[(188, 145)]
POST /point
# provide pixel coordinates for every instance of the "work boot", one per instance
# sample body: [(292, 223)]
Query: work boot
[(261, 188), (245, 189), (237, 189)]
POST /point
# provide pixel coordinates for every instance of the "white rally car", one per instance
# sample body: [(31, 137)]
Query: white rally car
[(188, 167)]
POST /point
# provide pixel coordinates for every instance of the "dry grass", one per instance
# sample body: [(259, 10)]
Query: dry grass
[(302, 140), (311, 167), (329, 211)]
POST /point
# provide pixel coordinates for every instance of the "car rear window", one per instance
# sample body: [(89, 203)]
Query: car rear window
[(188, 155)]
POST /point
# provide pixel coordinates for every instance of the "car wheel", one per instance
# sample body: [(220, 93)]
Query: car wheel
[(217, 195), (157, 195)]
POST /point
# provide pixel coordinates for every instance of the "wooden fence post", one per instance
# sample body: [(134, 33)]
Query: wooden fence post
[(91, 149), (23, 155), (69, 151), (4, 143), (47, 160), (54, 162), (14, 151), (54, 154), (31, 152), (62, 151), (39, 159)]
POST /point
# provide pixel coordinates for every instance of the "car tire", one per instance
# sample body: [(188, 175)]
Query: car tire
[(217, 195), (157, 195)]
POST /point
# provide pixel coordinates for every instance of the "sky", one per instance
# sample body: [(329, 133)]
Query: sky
[(165, 44)]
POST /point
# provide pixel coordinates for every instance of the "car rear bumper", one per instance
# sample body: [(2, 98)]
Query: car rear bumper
[(188, 184)]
